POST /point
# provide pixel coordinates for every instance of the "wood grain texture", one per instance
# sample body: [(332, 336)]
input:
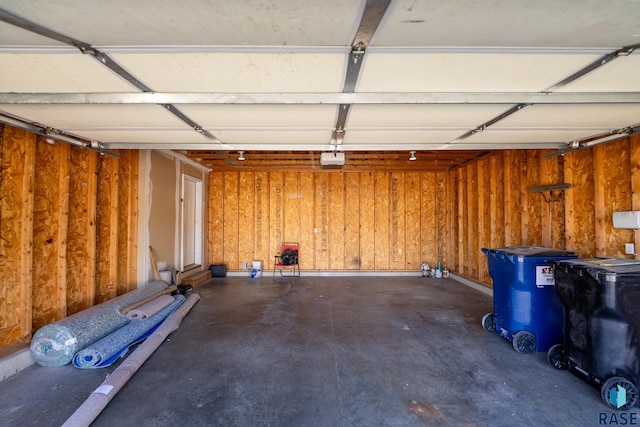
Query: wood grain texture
[(580, 202), (612, 193), (336, 221), (50, 215), (231, 228), (413, 211), (107, 229), (634, 148), (398, 222), (216, 217), (81, 235), (17, 170), (367, 221), (307, 221), (381, 222), (352, 221)]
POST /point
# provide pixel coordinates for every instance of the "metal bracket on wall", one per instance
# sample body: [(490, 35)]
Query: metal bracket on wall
[(557, 188)]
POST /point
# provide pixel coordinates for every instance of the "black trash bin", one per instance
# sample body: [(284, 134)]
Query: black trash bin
[(601, 301)]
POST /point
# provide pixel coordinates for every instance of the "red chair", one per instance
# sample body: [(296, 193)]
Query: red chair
[(287, 260)]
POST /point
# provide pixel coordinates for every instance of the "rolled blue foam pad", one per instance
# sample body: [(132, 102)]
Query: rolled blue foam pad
[(107, 350), (56, 343)]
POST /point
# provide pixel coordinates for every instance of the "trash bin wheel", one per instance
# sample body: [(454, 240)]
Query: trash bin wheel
[(524, 342), (609, 390), (557, 358), (488, 322)]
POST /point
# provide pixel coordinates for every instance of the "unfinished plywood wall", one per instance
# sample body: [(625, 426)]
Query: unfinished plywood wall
[(394, 221), (17, 173), (68, 230), (376, 221), (492, 205)]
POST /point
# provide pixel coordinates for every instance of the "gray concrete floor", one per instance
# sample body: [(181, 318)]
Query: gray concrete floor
[(323, 351)]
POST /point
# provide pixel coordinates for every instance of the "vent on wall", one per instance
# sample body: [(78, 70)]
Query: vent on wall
[(333, 160)]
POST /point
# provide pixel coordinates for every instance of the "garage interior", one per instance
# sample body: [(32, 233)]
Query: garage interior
[(379, 135)]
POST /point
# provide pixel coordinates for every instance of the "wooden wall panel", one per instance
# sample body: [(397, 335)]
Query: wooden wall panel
[(231, 220), (322, 221), (428, 218), (472, 225), (50, 219), (533, 207), (484, 215), (17, 164), (441, 217), (413, 212), (276, 213), (497, 200), (553, 218), (107, 229), (246, 215), (367, 221), (398, 220), (580, 202), (381, 222), (452, 220), (512, 199), (336, 221), (352, 221), (65, 241), (127, 221), (463, 218), (216, 217), (612, 193), (307, 221), (634, 163), (263, 250), (81, 234), (291, 215)]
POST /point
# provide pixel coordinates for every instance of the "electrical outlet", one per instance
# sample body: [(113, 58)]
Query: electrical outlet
[(629, 249)]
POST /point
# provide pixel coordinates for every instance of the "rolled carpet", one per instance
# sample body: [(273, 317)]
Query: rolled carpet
[(107, 350), (150, 308), (55, 344)]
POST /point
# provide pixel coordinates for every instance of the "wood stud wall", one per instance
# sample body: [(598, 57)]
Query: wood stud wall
[(17, 171), (369, 221), (394, 221), (68, 231), (68, 225)]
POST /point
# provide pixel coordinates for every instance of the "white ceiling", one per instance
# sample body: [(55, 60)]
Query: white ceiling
[(271, 75)]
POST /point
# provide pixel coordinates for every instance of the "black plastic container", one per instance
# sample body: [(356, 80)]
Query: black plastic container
[(601, 301), (218, 270)]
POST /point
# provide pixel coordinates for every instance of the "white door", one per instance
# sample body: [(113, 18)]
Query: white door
[(191, 222)]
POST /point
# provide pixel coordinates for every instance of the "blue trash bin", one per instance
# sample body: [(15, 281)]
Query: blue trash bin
[(526, 307)]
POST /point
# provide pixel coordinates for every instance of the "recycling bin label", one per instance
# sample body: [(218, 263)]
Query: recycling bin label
[(544, 276)]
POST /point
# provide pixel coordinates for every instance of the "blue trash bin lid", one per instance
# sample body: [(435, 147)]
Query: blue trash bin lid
[(532, 251)]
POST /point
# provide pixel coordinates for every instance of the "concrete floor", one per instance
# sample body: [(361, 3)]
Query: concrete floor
[(323, 351)]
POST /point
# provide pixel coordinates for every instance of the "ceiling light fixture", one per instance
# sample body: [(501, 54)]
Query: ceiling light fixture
[(241, 156), (413, 155)]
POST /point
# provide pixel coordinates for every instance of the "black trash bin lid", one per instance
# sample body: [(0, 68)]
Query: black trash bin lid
[(618, 266), (533, 251)]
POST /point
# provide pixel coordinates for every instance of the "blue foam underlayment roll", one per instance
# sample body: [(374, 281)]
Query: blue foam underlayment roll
[(107, 350), (56, 343)]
